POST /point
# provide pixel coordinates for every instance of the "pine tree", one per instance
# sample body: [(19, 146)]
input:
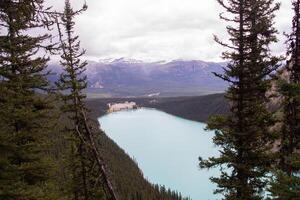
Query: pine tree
[(286, 184), (86, 165), (243, 136), (24, 166)]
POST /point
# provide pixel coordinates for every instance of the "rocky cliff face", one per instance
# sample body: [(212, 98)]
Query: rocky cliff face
[(275, 96)]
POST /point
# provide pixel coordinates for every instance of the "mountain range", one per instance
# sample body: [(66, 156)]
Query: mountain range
[(134, 78)]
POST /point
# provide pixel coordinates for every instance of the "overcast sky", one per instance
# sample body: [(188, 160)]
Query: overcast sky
[(157, 29)]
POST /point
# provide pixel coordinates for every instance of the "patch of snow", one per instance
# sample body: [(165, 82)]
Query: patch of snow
[(97, 85), (154, 94)]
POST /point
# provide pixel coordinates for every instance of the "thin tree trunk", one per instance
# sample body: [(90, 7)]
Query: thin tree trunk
[(99, 160), (83, 171)]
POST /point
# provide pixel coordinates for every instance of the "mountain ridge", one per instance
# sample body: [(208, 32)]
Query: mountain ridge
[(135, 78)]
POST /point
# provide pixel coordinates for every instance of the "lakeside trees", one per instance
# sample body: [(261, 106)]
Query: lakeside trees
[(244, 135), (250, 160), (286, 184), (39, 160)]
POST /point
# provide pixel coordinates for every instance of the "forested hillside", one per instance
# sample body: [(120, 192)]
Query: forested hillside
[(52, 146), (132, 182), (198, 108), (128, 179)]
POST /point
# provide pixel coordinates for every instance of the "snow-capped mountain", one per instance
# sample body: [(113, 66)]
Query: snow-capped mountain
[(128, 77)]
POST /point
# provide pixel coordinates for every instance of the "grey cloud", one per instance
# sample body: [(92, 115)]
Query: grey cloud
[(157, 29)]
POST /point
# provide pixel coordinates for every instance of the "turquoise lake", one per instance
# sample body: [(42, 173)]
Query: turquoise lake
[(166, 149)]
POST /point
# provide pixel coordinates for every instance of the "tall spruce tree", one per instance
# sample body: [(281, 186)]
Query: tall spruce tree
[(24, 169), (89, 177), (286, 184), (243, 136)]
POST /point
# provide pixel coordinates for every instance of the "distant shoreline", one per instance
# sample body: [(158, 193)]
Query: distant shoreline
[(197, 108)]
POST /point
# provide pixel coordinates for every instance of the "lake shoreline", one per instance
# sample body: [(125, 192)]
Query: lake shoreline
[(198, 108), (166, 148)]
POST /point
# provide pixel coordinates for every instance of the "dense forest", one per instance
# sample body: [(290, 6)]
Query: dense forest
[(259, 149), (51, 146), (50, 149)]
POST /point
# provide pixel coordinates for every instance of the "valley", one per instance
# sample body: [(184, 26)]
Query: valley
[(166, 148), (120, 158), (149, 100)]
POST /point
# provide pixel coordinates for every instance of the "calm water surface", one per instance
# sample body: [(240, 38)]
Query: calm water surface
[(166, 149)]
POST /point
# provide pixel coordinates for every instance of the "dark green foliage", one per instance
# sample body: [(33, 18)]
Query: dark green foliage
[(285, 187), (84, 176), (244, 135), (193, 108), (25, 166), (38, 154), (286, 183)]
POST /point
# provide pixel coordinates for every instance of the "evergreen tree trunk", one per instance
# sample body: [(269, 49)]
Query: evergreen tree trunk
[(286, 183), (244, 135), (88, 167), (24, 111)]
